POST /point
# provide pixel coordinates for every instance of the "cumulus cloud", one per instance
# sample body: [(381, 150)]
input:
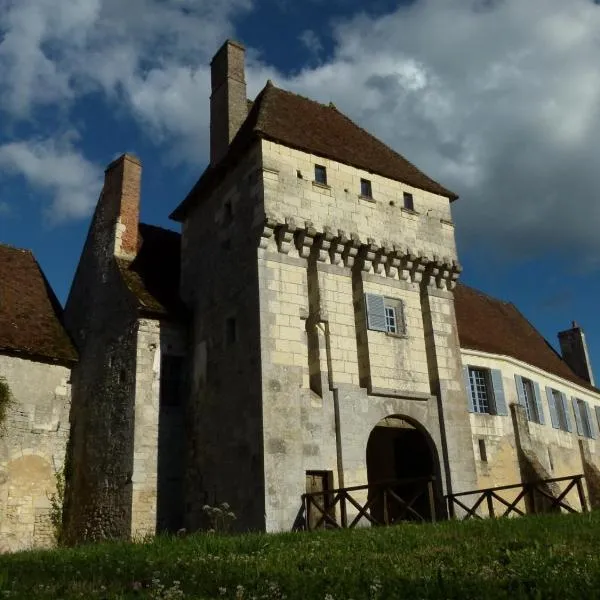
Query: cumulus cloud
[(499, 100), (54, 168)]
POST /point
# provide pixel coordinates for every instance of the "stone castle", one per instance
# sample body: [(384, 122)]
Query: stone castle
[(304, 332)]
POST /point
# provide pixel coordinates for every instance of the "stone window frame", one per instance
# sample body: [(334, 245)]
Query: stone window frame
[(366, 188), (321, 174), (408, 201)]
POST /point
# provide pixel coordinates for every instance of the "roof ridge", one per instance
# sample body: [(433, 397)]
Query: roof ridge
[(166, 229), (485, 294), (11, 247)]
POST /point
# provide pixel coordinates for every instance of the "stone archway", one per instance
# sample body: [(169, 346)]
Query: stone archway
[(401, 449)]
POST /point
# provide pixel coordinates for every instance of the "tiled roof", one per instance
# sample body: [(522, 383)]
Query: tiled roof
[(153, 276), (30, 315), (491, 325), (306, 125)]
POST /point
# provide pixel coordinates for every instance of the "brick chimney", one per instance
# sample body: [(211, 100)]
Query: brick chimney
[(575, 353), (228, 102), (121, 197)]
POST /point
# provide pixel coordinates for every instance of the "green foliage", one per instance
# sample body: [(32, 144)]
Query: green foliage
[(6, 400), (549, 557), (57, 501)]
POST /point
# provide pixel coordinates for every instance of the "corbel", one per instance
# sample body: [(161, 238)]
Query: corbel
[(351, 247), (267, 232), (285, 235), (305, 239)]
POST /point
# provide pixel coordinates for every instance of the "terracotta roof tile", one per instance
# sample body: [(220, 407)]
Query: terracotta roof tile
[(30, 314), (319, 129), (153, 276), (491, 325)]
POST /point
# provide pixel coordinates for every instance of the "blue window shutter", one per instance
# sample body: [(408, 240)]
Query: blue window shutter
[(499, 399), (520, 392), (590, 420), (538, 403), (552, 408), (470, 404), (567, 411), (577, 416), (375, 312)]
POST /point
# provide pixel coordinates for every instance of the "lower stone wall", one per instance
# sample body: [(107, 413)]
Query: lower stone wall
[(32, 450)]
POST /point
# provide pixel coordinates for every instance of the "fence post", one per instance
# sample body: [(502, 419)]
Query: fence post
[(430, 493), (385, 508), (343, 512), (581, 493), (490, 504), (531, 489)]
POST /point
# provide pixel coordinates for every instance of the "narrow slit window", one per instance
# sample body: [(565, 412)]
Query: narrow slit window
[(409, 201), (482, 450)]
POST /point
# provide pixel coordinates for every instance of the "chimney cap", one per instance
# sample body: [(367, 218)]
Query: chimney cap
[(227, 43), (126, 156)]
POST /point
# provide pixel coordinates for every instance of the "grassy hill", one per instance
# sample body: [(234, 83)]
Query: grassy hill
[(529, 557)]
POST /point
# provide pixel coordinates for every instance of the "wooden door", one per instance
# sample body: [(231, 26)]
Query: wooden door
[(319, 482)]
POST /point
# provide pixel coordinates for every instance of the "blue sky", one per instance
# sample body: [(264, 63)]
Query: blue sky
[(497, 99)]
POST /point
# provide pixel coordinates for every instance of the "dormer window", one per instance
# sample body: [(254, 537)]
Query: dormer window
[(320, 174), (365, 188)]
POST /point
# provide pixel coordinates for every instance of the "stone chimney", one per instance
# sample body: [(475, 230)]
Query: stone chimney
[(121, 197), (575, 353), (228, 102)]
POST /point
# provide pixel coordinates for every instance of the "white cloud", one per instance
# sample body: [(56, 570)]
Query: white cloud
[(500, 101), (56, 169)]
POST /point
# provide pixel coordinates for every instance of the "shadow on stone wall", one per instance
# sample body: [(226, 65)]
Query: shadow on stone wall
[(531, 467)]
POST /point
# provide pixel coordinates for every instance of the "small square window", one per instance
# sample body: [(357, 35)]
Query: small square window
[(365, 188), (320, 174), (408, 201)]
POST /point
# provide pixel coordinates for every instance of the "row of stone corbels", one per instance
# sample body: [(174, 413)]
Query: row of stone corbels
[(339, 248)]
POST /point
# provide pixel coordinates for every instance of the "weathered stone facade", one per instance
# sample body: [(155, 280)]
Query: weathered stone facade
[(33, 442)]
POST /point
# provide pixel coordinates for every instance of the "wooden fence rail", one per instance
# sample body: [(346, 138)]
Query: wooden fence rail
[(387, 502), (537, 497)]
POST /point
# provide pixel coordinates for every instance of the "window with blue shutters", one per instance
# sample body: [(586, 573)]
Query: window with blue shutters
[(485, 391), (385, 314), (530, 398), (559, 412), (583, 418)]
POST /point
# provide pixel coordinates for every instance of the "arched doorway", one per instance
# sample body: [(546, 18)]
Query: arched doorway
[(400, 449)]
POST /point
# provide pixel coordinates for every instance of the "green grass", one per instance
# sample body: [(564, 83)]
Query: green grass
[(529, 557)]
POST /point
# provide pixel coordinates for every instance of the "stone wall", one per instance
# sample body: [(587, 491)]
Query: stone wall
[(33, 442), (101, 316), (220, 286), (328, 380), (155, 430)]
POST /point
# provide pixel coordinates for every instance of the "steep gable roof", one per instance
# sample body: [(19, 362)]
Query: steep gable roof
[(297, 122), (491, 325), (30, 315), (153, 275)]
